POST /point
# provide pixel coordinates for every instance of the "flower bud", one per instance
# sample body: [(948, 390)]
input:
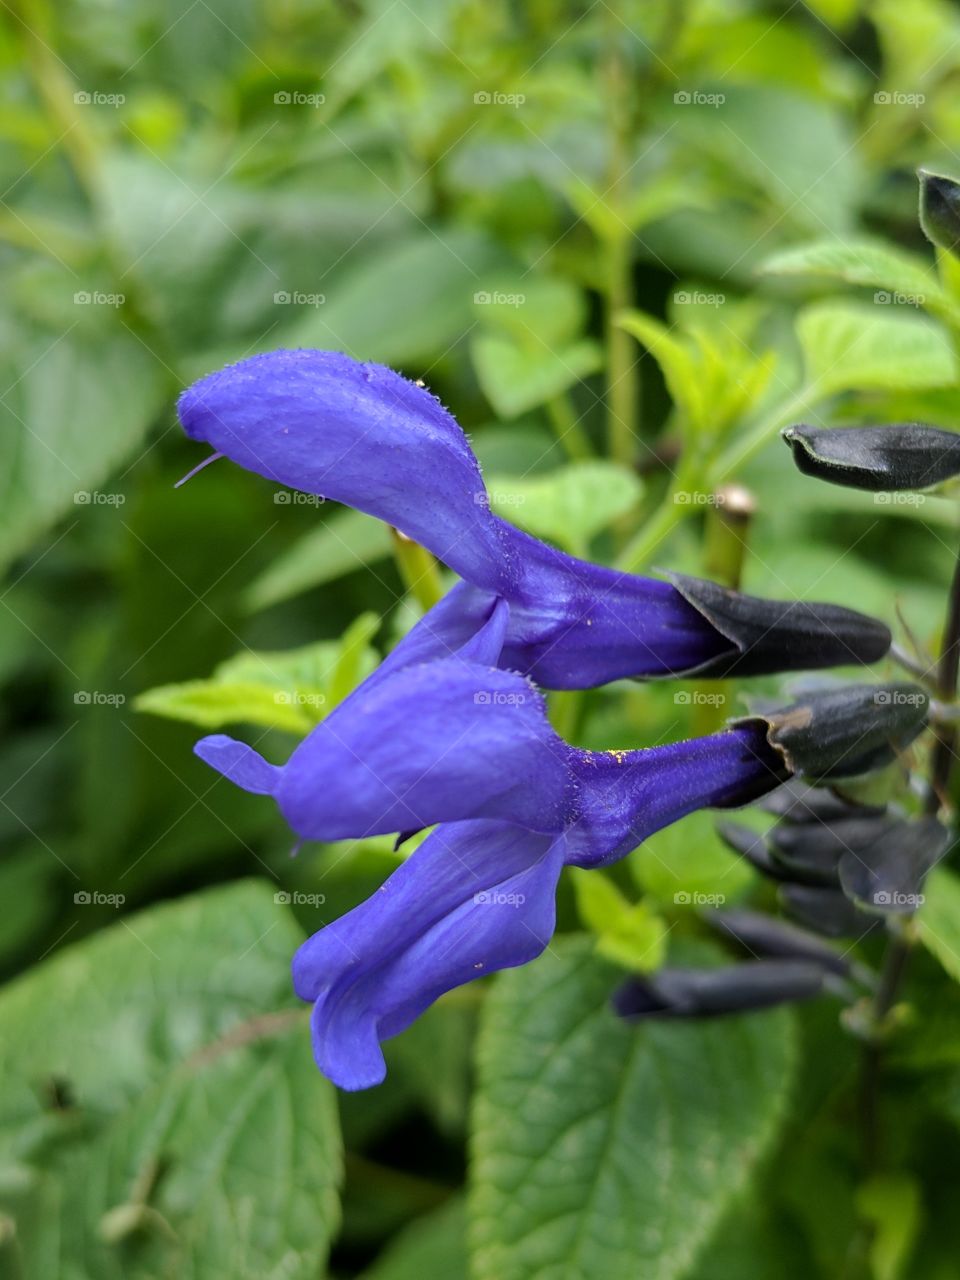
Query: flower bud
[(698, 993), (903, 455), (750, 845), (886, 874), (825, 911), (940, 209), (771, 636), (764, 935), (841, 732), (810, 852), (798, 801)]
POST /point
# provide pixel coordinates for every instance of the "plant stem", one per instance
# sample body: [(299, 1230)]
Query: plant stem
[(418, 569), (785, 414), (894, 967), (623, 387), (945, 736), (670, 513), (566, 427), (566, 707), (81, 146), (899, 947), (725, 534), (725, 531)]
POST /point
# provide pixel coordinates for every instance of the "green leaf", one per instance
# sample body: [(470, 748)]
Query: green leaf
[(709, 367), (634, 1139), (217, 702), (938, 920), (757, 1240), (891, 1204), (355, 659), (569, 505), (435, 1056), (405, 303), (290, 689), (538, 310), (347, 541), (814, 183), (432, 1246), (628, 934), (74, 411), (848, 347), (900, 278), (677, 363), (687, 865), (193, 1135), (517, 377)]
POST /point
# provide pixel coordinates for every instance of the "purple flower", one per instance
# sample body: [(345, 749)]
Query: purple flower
[(361, 434), (466, 745)]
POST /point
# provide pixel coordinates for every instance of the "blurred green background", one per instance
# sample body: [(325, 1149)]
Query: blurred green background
[(624, 243)]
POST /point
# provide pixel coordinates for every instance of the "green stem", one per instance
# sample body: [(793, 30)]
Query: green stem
[(82, 149), (725, 531), (566, 427), (623, 385), (566, 707), (725, 535), (418, 569), (784, 415), (670, 513)]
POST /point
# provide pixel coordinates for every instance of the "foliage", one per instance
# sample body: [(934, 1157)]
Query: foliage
[(625, 245)]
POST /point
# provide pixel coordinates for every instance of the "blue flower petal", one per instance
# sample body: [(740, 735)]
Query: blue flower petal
[(468, 621), (359, 434), (439, 742), (240, 763), (474, 898)]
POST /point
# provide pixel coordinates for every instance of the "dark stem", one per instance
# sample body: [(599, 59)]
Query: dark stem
[(945, 740), (899, 947), (894, 966)]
